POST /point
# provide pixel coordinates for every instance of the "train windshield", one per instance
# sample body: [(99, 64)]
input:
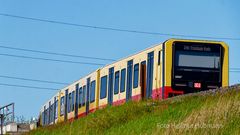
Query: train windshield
[(193, 59)]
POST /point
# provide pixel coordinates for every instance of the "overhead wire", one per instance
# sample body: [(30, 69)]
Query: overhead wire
[(33, 80), (30, 87), (55, 53), (48, 59), (114, 29)]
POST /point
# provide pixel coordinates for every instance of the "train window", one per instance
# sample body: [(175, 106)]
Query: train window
[(56, 109), (51, 113), (136, 76), (103, 88), (73, 100), (116, 83), (193, 59), (80, 98), (43, 118), (92, 91), (84, 95), (69, 103), (46, 116), (159, 57), (62, 106), (48, 112), (123, 80)]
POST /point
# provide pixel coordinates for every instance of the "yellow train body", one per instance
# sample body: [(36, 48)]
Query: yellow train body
[(147, 74)]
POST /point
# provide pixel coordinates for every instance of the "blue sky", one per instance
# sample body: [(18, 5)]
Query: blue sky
[(215, 18)]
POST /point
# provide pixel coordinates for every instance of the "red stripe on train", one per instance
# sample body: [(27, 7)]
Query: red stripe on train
[(157, 93)]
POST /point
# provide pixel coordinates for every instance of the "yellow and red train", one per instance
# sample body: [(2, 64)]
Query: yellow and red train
[(172, 68)]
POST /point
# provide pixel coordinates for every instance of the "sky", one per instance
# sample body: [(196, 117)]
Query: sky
[(215, 18)]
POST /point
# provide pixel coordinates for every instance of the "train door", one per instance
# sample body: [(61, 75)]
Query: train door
[(66, 106), (129, 80), (150, 63), (76, 101), (143, 81), (88, 93), (110, 86)]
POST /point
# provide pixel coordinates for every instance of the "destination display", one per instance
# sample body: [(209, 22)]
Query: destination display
[(198, 47)]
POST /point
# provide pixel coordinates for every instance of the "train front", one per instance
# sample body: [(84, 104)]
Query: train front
[(195, 65)]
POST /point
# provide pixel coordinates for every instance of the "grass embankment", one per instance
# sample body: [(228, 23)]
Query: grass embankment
[(212, 112)]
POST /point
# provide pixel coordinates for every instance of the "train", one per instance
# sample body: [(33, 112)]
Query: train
[(174, 67)]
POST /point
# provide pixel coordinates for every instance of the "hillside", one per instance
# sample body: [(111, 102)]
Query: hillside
[(212, 112)]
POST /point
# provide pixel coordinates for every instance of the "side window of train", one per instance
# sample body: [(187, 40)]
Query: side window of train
[(43, 118), (84, 95), (123, 80), (92, 92), (56, 109), (159, 57), (52, 113), (136, 76), (80, 97), (103, 89), (62, 106), (49, 114), (116, 83), (69, 103), (46, 114), (73, 100)]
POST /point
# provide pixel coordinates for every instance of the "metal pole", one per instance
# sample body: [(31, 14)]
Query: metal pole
[(13, 111)]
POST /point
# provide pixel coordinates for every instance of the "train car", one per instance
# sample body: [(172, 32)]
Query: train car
[(79, 98), (172, 68), (84, 95), (49, 113), (88, 93), (130, 78)]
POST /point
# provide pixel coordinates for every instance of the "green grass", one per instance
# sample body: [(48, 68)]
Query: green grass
[(201, 113)]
